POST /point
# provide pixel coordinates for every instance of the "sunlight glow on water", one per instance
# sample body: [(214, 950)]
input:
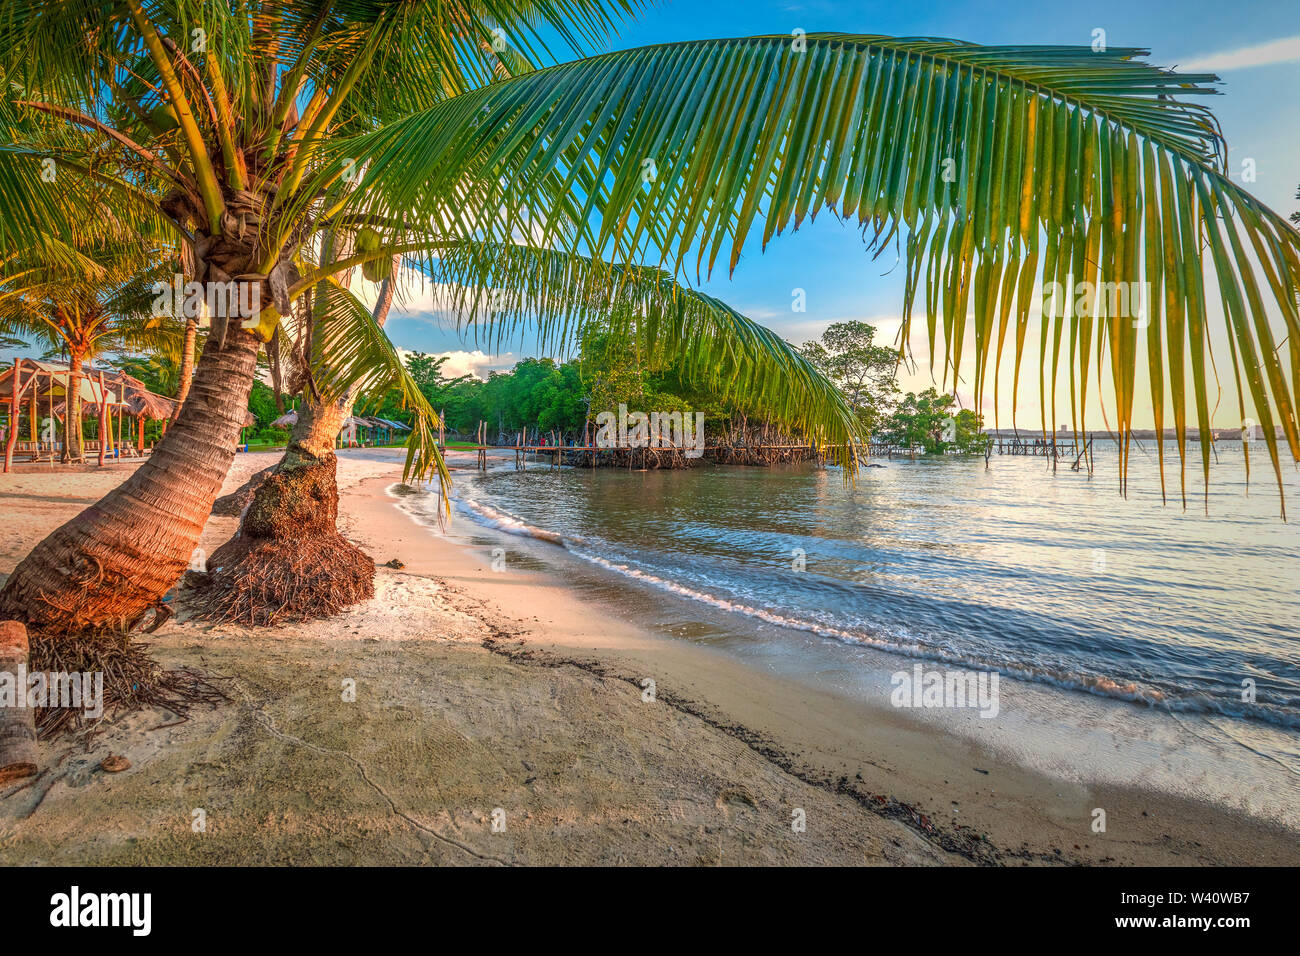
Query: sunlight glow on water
[(1053, 578), (1122, 629)]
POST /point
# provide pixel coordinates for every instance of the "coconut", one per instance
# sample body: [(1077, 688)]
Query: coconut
[(376, 270)]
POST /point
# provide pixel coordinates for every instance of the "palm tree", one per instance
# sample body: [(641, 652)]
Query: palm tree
[(106, 308), (1002, 169), (287, 559), (186, 371), (341, 354), (253, 128), (229, 141)]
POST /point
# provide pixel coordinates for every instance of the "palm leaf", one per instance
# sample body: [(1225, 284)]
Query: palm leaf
[(500, 289), (1065, 164), (351, 353)]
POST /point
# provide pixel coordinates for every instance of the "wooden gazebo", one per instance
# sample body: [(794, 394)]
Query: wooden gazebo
[(35, 385)]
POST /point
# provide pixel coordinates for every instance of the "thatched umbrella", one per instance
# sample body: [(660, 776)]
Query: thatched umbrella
[(143, 404), (287, 420)]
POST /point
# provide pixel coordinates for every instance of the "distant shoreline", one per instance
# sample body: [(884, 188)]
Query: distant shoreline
[(1226, 435)]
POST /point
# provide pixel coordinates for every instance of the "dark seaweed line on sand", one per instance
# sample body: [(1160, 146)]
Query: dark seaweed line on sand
[(962, 840)]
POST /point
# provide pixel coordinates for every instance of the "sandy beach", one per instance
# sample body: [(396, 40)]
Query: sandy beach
[(500, 719)]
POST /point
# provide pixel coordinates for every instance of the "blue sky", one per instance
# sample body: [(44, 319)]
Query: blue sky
[(1259, 111)]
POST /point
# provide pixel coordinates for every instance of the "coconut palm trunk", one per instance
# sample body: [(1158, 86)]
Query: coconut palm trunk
[(187, 365), (72, 444), (287, 561), (106, 567)]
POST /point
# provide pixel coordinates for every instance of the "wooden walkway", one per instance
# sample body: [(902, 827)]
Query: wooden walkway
[(1079, 453)]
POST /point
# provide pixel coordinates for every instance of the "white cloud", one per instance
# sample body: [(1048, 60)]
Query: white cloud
[(477, 363), (417, 295), (462, 362), (1285, 50)]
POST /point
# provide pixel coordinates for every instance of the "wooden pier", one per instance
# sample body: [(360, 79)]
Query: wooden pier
[(1055, 448)]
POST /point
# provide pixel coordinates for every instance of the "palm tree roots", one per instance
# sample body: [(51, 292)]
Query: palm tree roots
[(287, 563), (132, 678)]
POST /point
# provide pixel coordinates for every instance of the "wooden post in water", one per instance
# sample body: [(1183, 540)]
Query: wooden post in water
[(18, 754)]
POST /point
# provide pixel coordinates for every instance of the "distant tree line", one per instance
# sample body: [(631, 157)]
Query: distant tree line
[(867, 375), (551, 396)]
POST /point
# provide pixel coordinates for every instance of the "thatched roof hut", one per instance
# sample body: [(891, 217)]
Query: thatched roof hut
[(140, 401), (121, 390), (51, 383)]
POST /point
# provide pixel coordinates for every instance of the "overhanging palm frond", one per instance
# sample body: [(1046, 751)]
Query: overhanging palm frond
[(1004, 169), (31, 211), (500, 289), (22, 317), (350, 352), (89, 298), (162, 336), (49, 253), (54, 187)]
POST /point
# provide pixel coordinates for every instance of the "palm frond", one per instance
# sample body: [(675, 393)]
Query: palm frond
[(1001, 171), (503, 289), (95, 296), (351, 354)]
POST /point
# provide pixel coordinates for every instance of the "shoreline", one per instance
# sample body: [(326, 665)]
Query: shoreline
[(865, 751), (707, 772)]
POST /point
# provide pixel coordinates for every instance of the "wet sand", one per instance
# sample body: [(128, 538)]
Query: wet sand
[(479, 691)]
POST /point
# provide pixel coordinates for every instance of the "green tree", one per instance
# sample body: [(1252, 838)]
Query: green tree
[(927, 421), (613, 374), (261, 402), (864, 371), (967, 432), (920, 421), (160, 373)]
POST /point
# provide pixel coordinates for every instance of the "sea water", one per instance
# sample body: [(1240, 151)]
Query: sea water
[(1137, 640)]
